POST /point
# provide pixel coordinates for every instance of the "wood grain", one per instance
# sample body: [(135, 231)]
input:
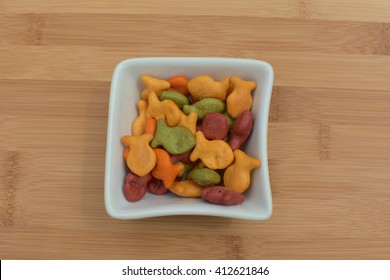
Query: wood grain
[(329, 129), (375, 11)]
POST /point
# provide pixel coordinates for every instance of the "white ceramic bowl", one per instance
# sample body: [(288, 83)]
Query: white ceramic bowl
[(125, 92)]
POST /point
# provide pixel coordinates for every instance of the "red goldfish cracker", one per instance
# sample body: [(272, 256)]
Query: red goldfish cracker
[(166, 109), (240, 99), (156, 186), (215, 126), (179, 84), (222, 196), (139, 123), (242, 128), (215, 154), (237, 175), (204, 86), (165, 170), (153, 85), (135, 187), (141, 159), (185, 157), (150, 126), (186, 188)]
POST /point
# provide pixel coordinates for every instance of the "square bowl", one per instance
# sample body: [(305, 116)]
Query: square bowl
[(125, 92)]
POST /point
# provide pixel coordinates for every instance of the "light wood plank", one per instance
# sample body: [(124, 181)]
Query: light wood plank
[(336, 106), (374, 11), (107, 30), (366, 72)]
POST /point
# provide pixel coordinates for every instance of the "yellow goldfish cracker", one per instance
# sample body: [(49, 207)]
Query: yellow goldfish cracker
[(141, 158), (240, 99), (189, 121), (215, 154), (204, 86), (186, 188), (139, 123), (166, 109), (237, 175), (152, 84)]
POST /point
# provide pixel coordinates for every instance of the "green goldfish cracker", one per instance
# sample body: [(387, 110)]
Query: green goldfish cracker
[(176, 140), (205, 177), (176, 97), (205, 106)]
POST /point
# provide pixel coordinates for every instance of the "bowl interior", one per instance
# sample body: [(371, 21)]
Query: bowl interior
[(125, 92)]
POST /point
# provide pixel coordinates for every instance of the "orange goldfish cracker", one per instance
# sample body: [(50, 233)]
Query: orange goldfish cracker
[(215, 154), (237, 175), (141, 158), (165, 170), (240, 99), (139, 123), (150, 126), (166, 109), (126, 153), (180, 84), (153, 85), (204, 86), (186, 188)]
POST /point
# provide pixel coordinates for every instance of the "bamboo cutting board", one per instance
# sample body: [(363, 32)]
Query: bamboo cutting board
[(329, 130)]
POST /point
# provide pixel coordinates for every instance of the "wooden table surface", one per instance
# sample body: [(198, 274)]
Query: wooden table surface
[(329, 130)]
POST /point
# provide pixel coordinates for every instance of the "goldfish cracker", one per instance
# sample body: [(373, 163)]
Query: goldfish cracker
[(176, 97), (240, 99), (179, 84), (135, 187), (126, 153), (241, 130), (166, 109), (150, 126), (222, 196), (156, 186), (189, 121), (204, 107), (214, 126), (204, 86), (186, 188), (152, 84), (237, 176), (205, 177), (215, 154), (176, 140), (141, 159), (184, 157), (197, 166), (139, 123), (165, 170)]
